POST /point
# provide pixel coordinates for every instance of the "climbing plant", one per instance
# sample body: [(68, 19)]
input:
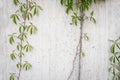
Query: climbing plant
[(115, 59), (27, 9), (78, 8)]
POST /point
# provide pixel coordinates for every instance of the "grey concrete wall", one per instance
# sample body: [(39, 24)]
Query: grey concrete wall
[(55, 42)]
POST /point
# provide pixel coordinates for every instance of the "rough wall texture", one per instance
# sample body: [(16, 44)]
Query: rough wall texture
[(56, 40)]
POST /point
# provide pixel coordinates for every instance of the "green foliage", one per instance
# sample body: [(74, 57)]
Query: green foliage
[(11, 40), (85, 36), (12, 55), (27, 66), (16, 2), (11, 77), (22, 16), (18, 65), (14, 17), (115, 59), (28, 47), (78, 8), (80, 4)]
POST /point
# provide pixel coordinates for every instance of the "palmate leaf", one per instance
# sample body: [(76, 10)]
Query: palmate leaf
[(28, 47), (12, 56), (14, 18), (11, 77), (31, 28), (27, 66)]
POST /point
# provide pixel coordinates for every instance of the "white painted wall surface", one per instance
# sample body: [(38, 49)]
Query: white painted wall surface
[(56, 40)]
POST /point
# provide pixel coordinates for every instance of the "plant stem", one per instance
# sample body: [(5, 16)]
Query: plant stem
[(73, 65), (21, 42), (78, 48), (80, 41)]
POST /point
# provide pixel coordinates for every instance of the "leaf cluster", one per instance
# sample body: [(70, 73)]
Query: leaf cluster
[(21, 18), (115, 59), (78, 6)]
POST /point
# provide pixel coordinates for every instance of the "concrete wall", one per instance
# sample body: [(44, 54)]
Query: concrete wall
[(56, 40)]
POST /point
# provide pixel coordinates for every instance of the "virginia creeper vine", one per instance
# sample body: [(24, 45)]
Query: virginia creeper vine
[(78, 8), (25, 12), (115, 59)]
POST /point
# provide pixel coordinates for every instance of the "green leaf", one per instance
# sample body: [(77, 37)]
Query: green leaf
[(14, 20), (94, 20), (18, 47), (86, 6), (92, 13), (85, 36), (112, 49), (12, 56), (29, 16), (68, 9), (27, 66), (12, 16), (35, 11), (11, 77), (11, 40), (63, 2), (28, 28), (21, 55), (94, 1), (15, 2), (31, 31), (24, 37), (110, 69), (21, 8), (31, 8), (21, 28), (18, 65), (111, 58), (82, 54), (17, 17), (27, 49), (40, 7), (34, 29)]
